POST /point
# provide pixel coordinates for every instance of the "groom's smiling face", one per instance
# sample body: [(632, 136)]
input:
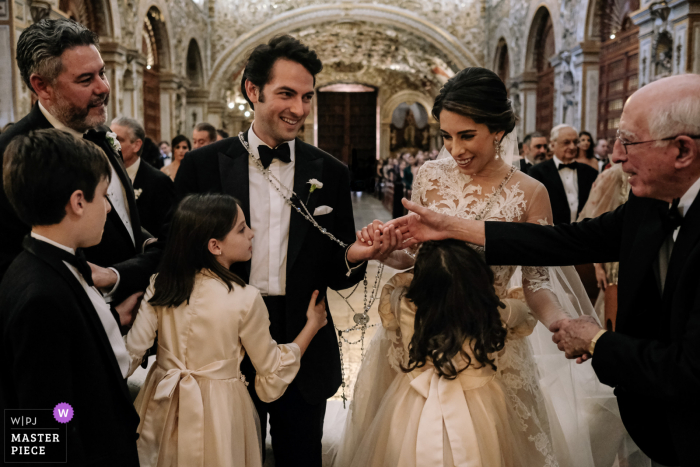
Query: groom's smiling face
[(284, 102)]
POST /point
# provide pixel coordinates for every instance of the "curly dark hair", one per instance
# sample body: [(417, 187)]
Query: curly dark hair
[(456, 302), (258, 68), (479, 94)]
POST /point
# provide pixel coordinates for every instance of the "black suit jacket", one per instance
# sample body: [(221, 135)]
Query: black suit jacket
[(546, 173), (525, 166), (314, 262), (54, 349), (653, 358), (156, 196), (116, 248)]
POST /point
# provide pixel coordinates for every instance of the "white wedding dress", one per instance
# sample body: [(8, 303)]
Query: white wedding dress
[(563, 412)]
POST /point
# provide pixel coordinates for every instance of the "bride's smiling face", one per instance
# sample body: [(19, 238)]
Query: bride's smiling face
[(470, 144)]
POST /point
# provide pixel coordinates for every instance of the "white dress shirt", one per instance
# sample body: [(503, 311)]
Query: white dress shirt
[(569, 178), (269, 219), (102, 309), (661, 267)]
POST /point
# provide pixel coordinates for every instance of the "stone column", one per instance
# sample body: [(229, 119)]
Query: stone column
[(215, 113), (115, 57), (170, 83), (586, 63), (196, 109), (526, 86)]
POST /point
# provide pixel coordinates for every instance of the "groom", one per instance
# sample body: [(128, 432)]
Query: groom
[(653, 357), (291, 257)]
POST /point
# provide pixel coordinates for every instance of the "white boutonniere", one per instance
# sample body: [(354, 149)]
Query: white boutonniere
[(113, 142), (315, 185), (137, 192)]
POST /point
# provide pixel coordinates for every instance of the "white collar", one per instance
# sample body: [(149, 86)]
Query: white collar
[(132, 169), (57, 124), (41, 238), (688, 198), (254, 142)]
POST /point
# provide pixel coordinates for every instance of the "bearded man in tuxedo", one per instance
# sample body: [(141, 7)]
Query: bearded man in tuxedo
[(59, 60), (291, 256), (653, 357)]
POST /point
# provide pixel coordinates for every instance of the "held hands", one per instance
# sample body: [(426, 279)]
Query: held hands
[(574, 336), (127, 309), (316, 315), (375, 242)]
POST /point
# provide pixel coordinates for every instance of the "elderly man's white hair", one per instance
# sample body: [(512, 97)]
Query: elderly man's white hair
[(678, 117), (554, 134)]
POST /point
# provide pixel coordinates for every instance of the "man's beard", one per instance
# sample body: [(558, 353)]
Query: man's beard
[(77, 118)]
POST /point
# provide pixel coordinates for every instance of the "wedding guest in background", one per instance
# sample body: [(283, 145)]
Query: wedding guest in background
[(181, 146), (166, 152), (119, 263), (150, 153), (203, 133), (221, 134), (602, 150), (154, 191), (585, 150), (534, 151), (568, 182), (206, 318), (60, 342)]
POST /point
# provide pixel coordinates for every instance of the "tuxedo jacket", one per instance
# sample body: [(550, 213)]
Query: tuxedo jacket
[(653, 358), (116, 248), (314, 262), (155, 196), (547, 173), (54, 349), (524, 165)]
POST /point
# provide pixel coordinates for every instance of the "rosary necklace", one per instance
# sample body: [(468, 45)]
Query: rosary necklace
[(361, 319)]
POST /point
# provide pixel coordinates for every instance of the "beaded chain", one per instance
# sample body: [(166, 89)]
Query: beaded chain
[(361, 319)]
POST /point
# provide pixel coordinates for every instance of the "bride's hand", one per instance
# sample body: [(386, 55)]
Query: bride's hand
[(420, 225), (381, 247), (366, 235)]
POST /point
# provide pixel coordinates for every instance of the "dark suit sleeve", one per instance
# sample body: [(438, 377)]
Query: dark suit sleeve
[(135, 273), (345, 230), (186, 178), (593, 240), (164, 203), (650, 367)]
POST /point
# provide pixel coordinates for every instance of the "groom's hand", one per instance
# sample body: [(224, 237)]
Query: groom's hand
[(574, 336), (379, 247), (420, 225)]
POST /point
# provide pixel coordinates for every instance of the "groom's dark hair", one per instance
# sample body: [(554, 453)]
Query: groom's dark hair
[(41, 170), (258, 68)]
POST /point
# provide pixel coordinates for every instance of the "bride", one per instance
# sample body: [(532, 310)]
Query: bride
[(476, 124)]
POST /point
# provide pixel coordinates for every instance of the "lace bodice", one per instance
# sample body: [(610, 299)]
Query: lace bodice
[(441, 187)]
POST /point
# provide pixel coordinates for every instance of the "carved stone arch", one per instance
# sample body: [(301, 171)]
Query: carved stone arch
[(157, 39), (502, 61), (539, 18), (161, 27), (93, 14), (194, 69), (231, 60), (387, 108)]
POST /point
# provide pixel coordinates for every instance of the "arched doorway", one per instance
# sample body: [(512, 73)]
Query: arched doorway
[(502, 65), (154, 48), (194, 65), (619, 62), (544, 50)]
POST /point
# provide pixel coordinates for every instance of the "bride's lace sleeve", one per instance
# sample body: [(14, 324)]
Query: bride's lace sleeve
[(537, 285), (390, 313)]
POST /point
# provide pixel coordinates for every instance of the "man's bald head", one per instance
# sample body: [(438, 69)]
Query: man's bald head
[(665, 109)]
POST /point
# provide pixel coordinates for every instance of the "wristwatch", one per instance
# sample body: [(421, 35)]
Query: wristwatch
[(595, 339)]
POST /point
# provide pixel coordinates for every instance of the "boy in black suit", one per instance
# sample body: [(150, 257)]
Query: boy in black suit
[(60, 341), (568, 182)]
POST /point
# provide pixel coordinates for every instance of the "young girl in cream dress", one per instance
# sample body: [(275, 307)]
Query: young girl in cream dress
[(194, 406)]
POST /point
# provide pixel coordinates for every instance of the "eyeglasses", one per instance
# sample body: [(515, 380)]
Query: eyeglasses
[(626, 143)]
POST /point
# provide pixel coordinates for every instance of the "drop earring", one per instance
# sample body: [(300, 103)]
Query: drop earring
[(497, 145)]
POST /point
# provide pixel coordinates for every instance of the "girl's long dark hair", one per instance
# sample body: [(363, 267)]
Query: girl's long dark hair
[(456, 303), (589, 152), (198, 219)]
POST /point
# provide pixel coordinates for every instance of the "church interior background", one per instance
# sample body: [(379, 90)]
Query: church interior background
[(174, 63)]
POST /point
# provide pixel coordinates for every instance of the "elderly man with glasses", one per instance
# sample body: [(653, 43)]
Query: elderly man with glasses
[(568, 182), (653, 357)]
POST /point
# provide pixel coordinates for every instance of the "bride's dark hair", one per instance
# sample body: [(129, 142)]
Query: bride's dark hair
[(198, 219), (479, 94), (456, 304)]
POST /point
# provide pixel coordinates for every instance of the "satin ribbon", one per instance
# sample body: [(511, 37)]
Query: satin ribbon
[(447, 405), (191, 409)]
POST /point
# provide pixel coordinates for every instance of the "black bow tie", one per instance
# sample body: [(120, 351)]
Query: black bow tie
[(281, 152), (674, 219), (77, 260), (571, 166)]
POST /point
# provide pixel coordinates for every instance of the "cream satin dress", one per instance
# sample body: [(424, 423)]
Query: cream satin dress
[(194, 405)]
